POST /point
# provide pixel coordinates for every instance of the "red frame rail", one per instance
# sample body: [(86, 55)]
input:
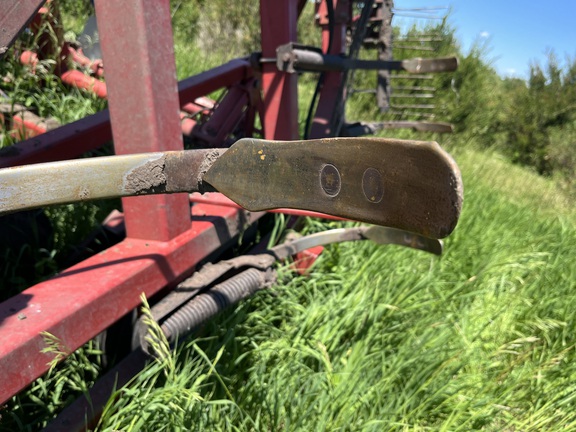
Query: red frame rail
[(165, 239)]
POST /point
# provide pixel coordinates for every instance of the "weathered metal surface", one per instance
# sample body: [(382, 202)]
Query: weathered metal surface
[(377, 234), (347, 177), (136, 41), (278, 19), (293, 57), (15, 15), (412, 95), (64, 182), (85, 299), (410, 185), (430, 65), (383, 235), (361, 128)]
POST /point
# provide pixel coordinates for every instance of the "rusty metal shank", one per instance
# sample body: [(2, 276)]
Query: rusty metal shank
[(293, 57), (409, 185), (64, 182)]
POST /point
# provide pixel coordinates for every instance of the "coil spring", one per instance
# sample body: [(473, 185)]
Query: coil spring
[(206, 305)]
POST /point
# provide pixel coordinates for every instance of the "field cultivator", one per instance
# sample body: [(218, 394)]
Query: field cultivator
[(183, 209)]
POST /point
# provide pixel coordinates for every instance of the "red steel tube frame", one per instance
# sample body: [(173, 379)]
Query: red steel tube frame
[(332, 80), (278, 19), (87, 298), (84, 300), (15, 16), (74, 139)]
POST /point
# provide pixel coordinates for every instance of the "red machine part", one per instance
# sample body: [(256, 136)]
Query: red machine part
[(85, 299), (136, 42), (91, 132), (164, 243), (304, 260), (332, 80), (278, 20)]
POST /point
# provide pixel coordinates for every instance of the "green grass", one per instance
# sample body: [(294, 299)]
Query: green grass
[(376, 338), (383, 338)]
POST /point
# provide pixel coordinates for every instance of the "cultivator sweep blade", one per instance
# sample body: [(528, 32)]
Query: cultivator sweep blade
[(409, 185)]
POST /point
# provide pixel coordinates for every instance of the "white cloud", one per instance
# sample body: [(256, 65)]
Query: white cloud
[(511, 71), (484, 35)]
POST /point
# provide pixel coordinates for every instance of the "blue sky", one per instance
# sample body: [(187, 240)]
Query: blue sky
[(516, 31)]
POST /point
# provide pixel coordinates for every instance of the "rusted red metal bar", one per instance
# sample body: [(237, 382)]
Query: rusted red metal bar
[(136, 40), (278, 19), (86, 299), (144, 118), (164, 242), (330, 94), (89, 133), (16, 15)]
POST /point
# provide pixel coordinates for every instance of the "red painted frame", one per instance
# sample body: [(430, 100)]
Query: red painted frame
[(164, 243)]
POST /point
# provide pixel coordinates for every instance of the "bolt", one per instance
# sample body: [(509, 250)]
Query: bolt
[(330, 180)]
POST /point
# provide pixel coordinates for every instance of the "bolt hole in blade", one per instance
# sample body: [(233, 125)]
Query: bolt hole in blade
[(409, 185)]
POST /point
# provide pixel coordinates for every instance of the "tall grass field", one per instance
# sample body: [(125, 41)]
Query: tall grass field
[(384, 338)]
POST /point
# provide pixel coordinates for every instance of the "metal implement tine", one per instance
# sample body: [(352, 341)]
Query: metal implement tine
[(46, 184), (385, 235), (409, 185), (211, 273), (377, 234), (293, 57), (432, 65)]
